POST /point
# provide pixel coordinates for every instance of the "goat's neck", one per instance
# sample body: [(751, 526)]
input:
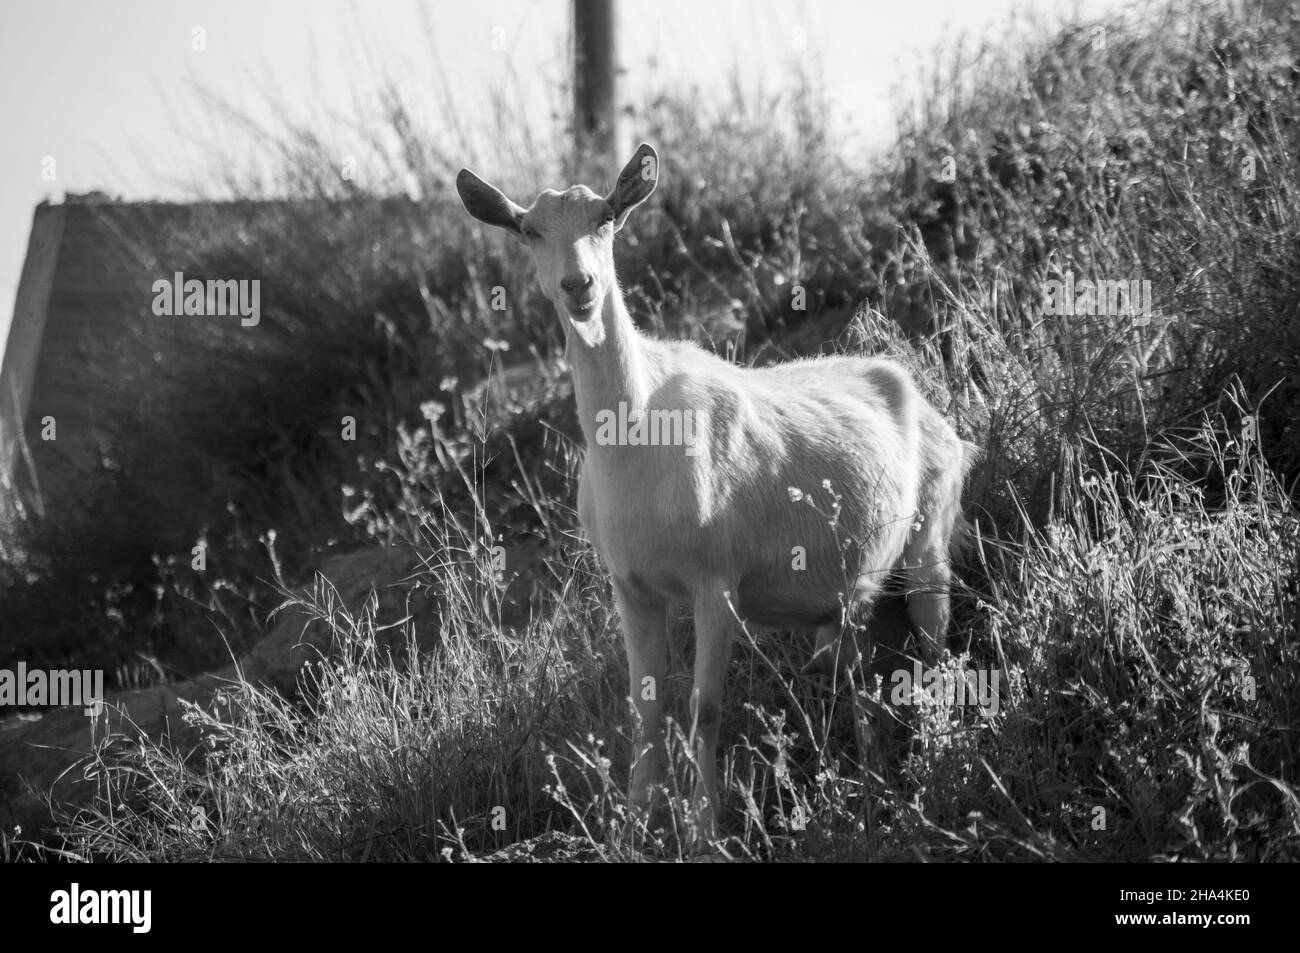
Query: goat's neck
[(608, 366)]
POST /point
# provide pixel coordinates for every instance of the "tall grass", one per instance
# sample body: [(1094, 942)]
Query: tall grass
[(1145, 634)]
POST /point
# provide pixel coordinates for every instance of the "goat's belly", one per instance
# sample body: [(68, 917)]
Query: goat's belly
[(764, 604), (760, 606), (770, 616)]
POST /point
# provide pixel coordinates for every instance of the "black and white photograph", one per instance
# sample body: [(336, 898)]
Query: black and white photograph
[(614, 431)]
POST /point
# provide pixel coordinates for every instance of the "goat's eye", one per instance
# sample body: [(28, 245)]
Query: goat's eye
[(530, 232)]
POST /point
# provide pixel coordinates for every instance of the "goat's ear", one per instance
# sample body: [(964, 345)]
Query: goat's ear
[(487, 203), (635, 183)]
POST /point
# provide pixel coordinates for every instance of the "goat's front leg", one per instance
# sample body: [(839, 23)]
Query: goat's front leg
[(645, 634), (715, 624)]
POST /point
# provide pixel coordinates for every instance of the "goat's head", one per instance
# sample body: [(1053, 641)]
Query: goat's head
[(570, 233)]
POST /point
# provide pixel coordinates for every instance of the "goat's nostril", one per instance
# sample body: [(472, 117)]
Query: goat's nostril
[(575, 283)]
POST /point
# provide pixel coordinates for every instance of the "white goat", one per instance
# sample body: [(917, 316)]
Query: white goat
[(715, 521)]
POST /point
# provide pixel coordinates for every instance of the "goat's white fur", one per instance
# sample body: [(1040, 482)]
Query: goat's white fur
[(719, 528)]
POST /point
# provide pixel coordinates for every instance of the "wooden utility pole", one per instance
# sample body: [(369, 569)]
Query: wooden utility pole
[(594, 104)]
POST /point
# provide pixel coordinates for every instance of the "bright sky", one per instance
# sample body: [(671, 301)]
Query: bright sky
[(107, 90)]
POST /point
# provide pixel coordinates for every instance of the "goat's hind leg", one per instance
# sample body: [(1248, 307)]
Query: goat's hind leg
[(926, 570), (835, 653), (928, 604)]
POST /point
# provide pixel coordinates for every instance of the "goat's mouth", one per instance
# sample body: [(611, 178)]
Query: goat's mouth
[(582, 310)]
